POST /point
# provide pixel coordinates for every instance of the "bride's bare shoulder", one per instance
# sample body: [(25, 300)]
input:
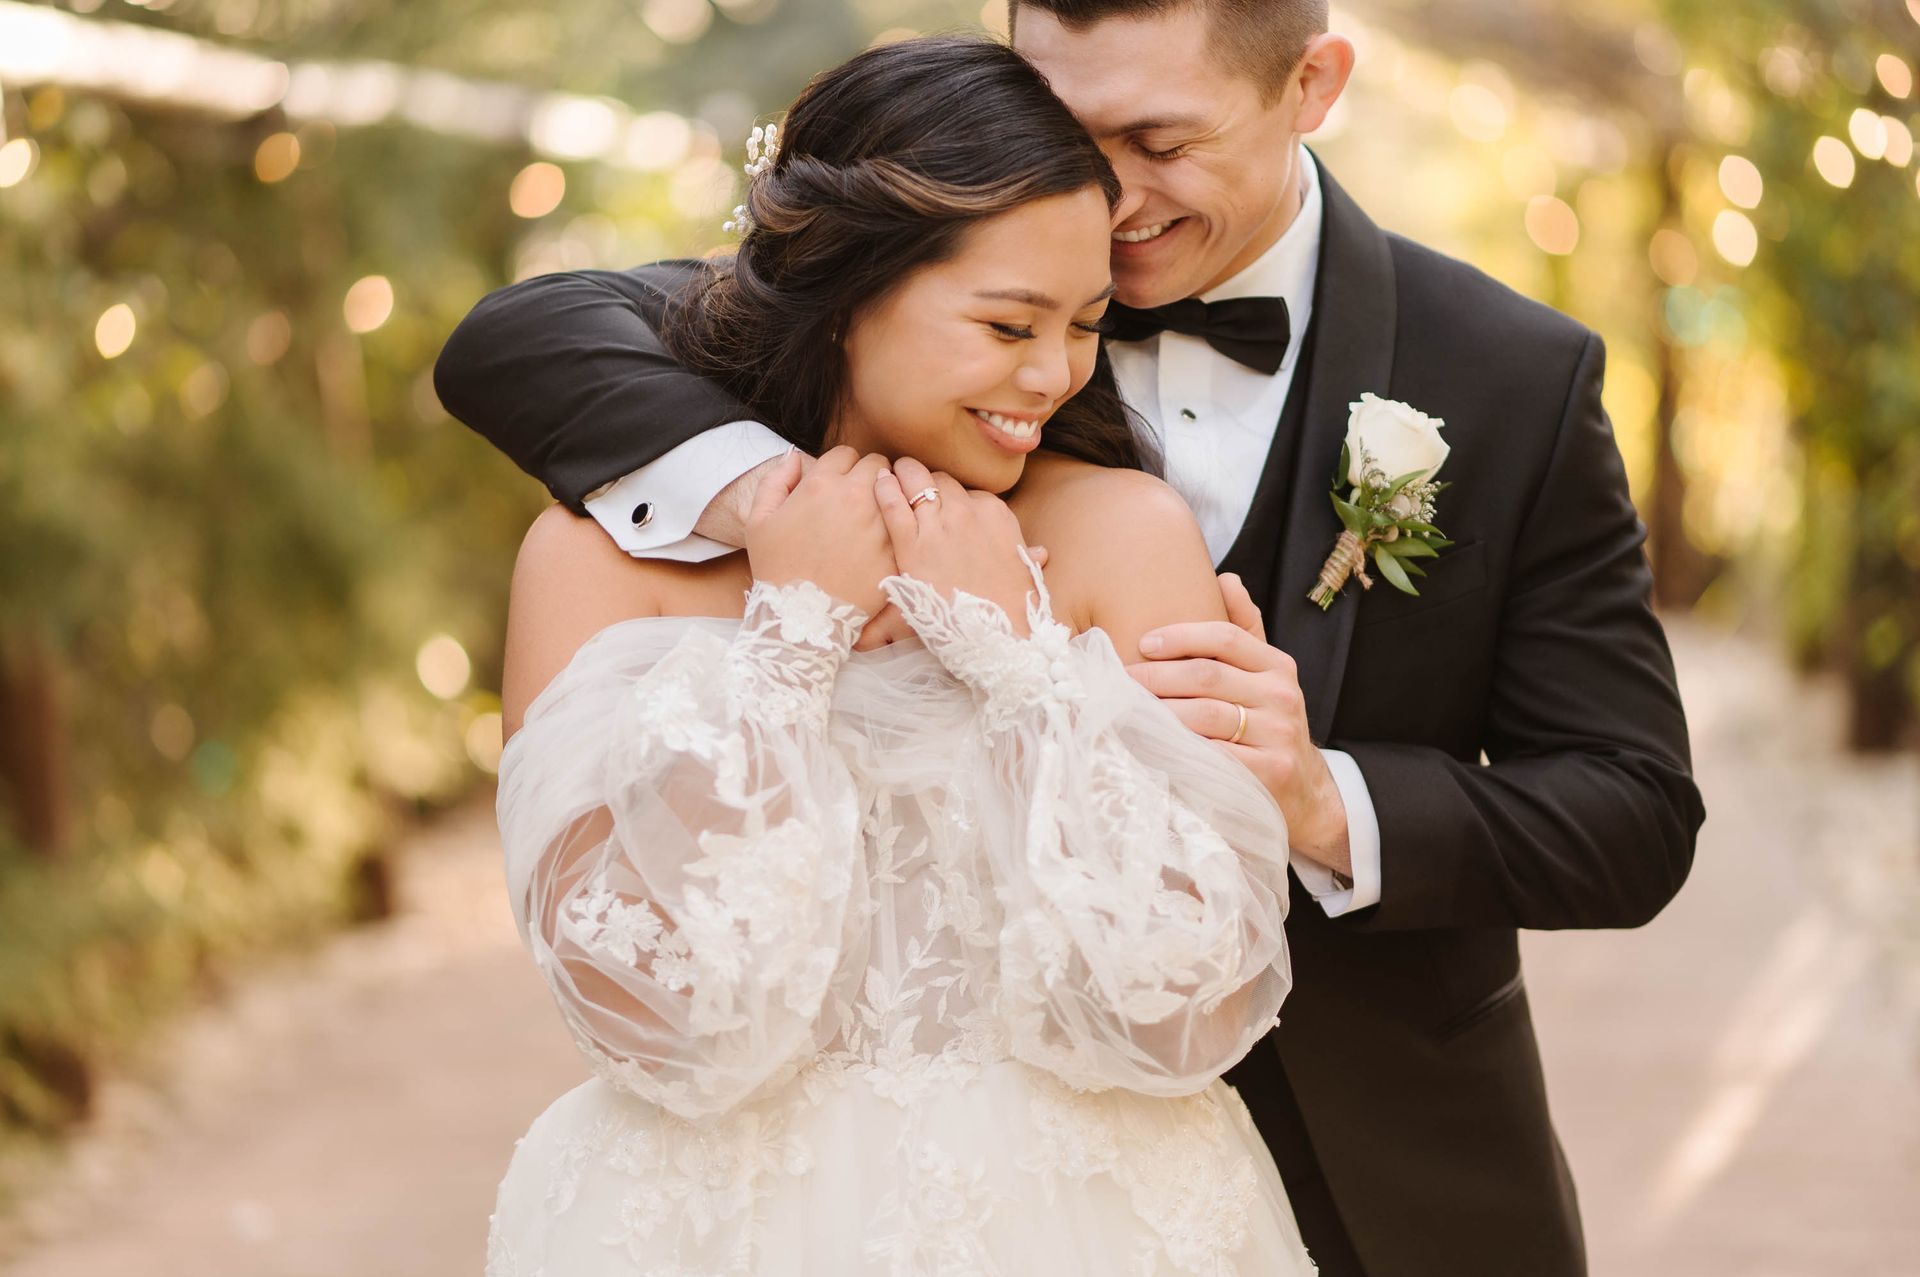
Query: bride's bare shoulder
[(1124, 551), (571, 581), (1073, 506)]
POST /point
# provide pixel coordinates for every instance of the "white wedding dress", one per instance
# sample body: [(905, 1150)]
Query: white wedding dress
[(919, 961)]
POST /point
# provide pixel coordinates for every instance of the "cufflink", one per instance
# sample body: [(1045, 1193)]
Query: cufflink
[(643, 514)]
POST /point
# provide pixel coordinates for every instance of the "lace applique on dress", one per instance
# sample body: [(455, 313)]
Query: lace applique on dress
[(793, 639), (974, 639), (933, 1222), (1188, 1180), (688, 1191)]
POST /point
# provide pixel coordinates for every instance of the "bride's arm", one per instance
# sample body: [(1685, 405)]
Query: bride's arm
[(680, 838), (1142, 871)]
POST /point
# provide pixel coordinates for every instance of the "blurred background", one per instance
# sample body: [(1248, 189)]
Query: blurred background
[(252, 577)]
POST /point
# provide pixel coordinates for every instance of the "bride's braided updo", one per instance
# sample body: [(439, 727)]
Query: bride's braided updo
[(883, 165)]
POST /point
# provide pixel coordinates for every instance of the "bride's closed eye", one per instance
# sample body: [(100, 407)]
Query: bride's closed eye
[(1016, 332)]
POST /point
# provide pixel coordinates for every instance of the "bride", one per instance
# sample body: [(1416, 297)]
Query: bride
[(924, 959)]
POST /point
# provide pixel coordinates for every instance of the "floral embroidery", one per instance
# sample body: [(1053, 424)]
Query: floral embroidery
[(973, 638), (1188, 1179), (792, 641), (933, 1223)]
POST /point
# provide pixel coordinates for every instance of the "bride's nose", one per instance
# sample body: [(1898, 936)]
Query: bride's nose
[(1045, 370)]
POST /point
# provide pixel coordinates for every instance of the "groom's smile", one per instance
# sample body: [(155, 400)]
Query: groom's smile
[(1204, 145)]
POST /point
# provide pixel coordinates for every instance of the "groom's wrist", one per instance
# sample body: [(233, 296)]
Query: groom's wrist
[(1322, 835), (725, 518)]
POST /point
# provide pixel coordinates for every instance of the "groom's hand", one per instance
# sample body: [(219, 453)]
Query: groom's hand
[(1203, 669)]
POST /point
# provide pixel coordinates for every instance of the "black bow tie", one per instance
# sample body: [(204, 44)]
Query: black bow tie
[(1248, 330)]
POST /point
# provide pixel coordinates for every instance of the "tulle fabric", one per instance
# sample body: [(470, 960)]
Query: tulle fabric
[(925, 960)]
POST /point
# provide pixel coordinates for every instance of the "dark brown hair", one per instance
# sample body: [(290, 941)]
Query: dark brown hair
[(1261, 39), (885, 162)]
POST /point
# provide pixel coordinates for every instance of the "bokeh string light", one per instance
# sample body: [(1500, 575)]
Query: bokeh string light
[(1741, 182), (139, 63), (18, 159), (277, 156), (537, 190), (1895, 76), (368, 304), (1552, 225), (1899, 151), (1869, 133), (1833, 160), (1735, 238), (113, 333)]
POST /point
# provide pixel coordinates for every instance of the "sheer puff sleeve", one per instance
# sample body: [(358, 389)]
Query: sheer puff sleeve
[(682, 847), (1140, 870)]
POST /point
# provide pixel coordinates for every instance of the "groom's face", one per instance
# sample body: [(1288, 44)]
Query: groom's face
[(1209, 161)]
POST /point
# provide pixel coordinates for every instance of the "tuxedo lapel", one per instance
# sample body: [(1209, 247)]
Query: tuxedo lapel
[(1354, 315)]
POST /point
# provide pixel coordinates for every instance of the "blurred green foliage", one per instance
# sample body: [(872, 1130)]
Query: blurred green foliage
[(226, 544), (1836, 298)]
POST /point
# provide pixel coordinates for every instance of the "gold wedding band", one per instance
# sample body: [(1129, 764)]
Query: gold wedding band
[(925, 494), (1241, 730)]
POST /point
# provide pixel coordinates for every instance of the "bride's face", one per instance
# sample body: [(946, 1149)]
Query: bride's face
[(961, 365)]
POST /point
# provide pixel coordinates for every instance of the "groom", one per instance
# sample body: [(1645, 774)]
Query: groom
[(1402, 1094)]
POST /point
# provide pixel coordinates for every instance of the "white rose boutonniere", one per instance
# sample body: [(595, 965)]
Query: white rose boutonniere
[(1391, 457)]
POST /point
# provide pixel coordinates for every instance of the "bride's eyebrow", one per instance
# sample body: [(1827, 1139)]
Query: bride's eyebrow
[(1039, 301)]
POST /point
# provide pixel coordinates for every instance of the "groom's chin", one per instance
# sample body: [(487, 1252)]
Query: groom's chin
[(1141, 287), (1145, 295)]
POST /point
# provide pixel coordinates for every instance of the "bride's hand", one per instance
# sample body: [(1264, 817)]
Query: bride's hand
[(823, 526), (955, 540)]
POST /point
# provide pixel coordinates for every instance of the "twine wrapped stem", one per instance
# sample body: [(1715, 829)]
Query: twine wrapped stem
[(1349, 559)]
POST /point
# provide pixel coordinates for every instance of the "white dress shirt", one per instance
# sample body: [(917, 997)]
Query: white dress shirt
[(1215, 421)]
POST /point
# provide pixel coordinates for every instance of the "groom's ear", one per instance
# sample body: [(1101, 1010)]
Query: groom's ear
[(1325, 67)]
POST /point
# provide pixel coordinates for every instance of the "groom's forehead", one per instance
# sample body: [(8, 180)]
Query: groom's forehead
[(1120, 75)]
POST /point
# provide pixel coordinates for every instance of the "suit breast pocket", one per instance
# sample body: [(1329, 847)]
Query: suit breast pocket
[(1458, 573)]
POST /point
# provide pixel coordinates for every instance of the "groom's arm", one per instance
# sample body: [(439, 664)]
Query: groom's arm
[(1587, 813), (567, 375)]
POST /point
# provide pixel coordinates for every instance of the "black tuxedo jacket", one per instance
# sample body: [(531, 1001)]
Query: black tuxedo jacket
[(1402, 1092)]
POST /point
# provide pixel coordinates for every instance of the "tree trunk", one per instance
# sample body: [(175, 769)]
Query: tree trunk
[(35, 753), (1680, 572)]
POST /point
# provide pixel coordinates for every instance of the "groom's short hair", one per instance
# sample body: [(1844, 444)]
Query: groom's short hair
[(1262, 39)]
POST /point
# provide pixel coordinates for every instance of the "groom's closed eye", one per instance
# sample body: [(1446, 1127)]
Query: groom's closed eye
[(1171, 153)]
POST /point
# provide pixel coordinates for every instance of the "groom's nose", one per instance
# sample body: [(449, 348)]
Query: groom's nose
[(1131, 200)]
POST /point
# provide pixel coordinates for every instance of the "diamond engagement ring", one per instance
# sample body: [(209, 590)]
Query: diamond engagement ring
[(925, 494)]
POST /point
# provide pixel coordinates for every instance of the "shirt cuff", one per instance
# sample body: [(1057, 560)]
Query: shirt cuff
[(1337, 897), (650, 513)]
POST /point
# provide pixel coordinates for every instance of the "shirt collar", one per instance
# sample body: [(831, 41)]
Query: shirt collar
[(1287, 269)]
